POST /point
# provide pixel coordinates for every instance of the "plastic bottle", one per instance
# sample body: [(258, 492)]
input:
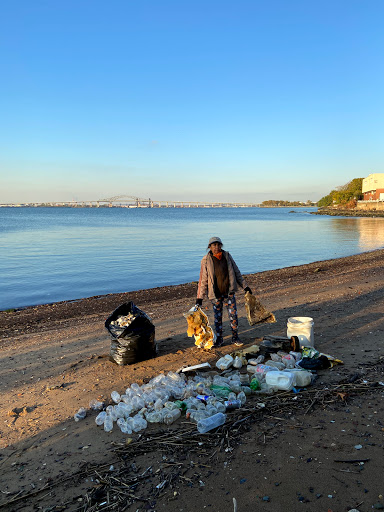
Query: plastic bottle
[(207, 424), (220, 407), (99, 420), (289, 361), (95, 405), (241, 396), (264, 368), (138, 423), (154, 417), (108, 423), (115, 397), (237, 362), (81, 414), (303, 378), (277, 364), (255, 384), (254, 361), (170, 416)]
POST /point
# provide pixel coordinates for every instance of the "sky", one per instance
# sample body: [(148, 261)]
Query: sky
[(244, 100)]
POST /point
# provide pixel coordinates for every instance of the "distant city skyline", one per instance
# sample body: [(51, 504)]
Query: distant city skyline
[(216, 101)]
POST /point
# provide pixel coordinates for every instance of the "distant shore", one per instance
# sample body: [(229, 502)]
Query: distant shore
[(349, 213)]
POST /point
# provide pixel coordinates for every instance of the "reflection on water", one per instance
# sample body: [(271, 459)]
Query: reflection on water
[(370, 231)]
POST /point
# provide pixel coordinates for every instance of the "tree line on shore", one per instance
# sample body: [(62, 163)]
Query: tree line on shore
[(346, 195)]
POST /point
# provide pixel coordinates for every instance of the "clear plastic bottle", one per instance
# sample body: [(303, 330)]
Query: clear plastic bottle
[(108, 423), (237, 362), (241, 396), (170, 416), (81, 414), (207, 424), (154, 417), (115, 397), (112, 412), (220, 407), (99, 420), (124, 427), (95, 405), (138, 423)]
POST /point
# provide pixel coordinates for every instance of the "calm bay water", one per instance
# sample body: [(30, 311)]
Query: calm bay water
[(54, 254)]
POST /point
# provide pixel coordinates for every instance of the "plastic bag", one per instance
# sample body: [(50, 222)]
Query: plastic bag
[(198, 326), (132, 333), (256, 312)]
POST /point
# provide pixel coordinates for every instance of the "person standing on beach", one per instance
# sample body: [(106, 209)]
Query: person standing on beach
[(220, 278)]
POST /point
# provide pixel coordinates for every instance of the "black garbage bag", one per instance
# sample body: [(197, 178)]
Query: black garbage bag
[(315, 363), (134, 339)]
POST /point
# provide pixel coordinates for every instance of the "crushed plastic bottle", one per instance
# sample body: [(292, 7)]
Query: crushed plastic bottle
[(95, 405), (81, 414)]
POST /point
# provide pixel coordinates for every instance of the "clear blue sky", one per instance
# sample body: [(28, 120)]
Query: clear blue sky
[(211, 99)]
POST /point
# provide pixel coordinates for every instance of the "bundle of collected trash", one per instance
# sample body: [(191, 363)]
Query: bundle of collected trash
[(198, 326), (132, 335)]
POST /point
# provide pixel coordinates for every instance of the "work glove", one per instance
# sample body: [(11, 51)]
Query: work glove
[(247, 289), (199, 302)]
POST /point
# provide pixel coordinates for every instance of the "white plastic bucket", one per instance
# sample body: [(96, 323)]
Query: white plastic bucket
[(302, 327)]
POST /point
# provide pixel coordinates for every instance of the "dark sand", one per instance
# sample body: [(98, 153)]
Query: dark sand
[(55, 359)]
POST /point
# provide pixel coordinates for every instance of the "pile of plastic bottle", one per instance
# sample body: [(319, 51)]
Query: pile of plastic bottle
[(166, 397), (203, 398)]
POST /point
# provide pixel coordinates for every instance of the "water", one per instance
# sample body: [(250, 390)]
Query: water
[(54, 254)]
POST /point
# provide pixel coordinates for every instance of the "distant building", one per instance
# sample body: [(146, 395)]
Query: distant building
[(373, 187)]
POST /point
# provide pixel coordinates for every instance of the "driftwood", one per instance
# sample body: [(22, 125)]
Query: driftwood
[(179, 453)]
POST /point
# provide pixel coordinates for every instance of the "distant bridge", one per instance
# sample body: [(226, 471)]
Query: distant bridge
[(136, 202)]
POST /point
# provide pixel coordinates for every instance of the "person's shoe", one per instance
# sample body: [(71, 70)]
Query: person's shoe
[(237, 342), (219, 342)]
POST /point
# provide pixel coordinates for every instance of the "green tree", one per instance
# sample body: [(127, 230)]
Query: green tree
[(343, 194)]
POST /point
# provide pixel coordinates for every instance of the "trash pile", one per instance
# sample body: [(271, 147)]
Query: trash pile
[(273, 365), (198, 326), (132, 335)]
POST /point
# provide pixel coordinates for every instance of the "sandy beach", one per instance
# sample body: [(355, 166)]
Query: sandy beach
[(317, 450)]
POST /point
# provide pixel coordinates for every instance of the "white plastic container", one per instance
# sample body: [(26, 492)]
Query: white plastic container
[(224, 362), (302, 378), (302, 327), (281, 380)]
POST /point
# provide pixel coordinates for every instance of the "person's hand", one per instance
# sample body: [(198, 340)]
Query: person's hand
[(247, 289), (199, 302)]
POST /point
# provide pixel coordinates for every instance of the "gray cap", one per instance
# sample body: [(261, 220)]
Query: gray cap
[(215, 239)]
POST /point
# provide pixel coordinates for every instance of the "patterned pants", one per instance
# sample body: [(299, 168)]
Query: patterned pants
[(230, 304)]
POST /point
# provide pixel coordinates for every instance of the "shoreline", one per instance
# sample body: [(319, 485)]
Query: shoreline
[(55, 359), (41, 317), (349, 213)]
